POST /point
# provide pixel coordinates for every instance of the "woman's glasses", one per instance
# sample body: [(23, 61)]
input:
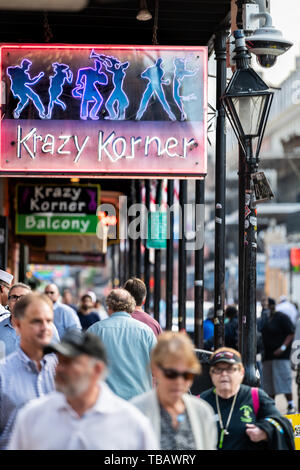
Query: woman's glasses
[(228, 370), (174, 374)]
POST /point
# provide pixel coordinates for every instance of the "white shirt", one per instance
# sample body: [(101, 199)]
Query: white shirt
[(3, 309), (50, 423), (289, 309)]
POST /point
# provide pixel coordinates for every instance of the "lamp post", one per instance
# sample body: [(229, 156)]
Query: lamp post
[(247, 101)]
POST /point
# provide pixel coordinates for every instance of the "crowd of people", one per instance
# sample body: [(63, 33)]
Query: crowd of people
[(89, 378)]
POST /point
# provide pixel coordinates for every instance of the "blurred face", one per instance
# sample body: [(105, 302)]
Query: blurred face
[(264, 302), (16, 294), (227, 378), (52, 291), (4, 295), (171, 385), (36, 327), (75, 376), (87, 303)]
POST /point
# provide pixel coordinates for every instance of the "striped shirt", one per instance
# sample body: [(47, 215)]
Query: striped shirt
[(20, 381)]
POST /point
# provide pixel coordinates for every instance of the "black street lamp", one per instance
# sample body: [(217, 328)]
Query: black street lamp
[(247, 101)]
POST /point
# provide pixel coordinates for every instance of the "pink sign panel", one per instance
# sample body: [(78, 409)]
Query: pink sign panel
[(103, 110)]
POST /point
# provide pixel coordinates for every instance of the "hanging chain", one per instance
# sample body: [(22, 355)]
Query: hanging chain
[(155, 24), (47, 30)]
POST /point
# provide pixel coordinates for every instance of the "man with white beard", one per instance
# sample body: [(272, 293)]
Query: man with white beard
[(83, 413)]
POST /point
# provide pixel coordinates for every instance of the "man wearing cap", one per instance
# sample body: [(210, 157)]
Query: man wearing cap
[(128, 343), (247, 418), (27, 373), (5, 283), (65, 318), (83, 413)]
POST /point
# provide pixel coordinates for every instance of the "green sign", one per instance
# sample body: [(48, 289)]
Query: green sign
[(50, 224), (51, 209), (157, 230)]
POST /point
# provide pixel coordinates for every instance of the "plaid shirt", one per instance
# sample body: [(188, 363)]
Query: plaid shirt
[(20, 381)]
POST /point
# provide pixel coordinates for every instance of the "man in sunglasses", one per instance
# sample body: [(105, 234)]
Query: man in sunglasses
[(9, 338), (83, 413)]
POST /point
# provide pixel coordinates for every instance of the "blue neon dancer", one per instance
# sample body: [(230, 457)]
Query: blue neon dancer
[(117, 102), (87, 90), (180, 72), (62, 74), (20, 87), (155, 75)]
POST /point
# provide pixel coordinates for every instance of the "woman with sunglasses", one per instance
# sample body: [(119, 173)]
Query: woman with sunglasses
[(180, 420), (247, 417)]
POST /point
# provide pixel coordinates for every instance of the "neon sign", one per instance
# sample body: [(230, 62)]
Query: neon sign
[(109, 110)]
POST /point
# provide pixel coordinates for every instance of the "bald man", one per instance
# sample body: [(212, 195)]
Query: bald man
[(65, 318)]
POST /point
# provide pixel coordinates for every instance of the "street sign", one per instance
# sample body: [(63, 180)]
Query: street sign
[(157, 230), (279, 257), (103, 110), (57, 209)]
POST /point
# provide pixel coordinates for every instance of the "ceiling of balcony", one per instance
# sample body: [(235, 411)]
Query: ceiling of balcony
[(179, 22)]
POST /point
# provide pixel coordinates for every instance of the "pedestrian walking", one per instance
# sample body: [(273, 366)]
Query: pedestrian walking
[(83, 413), (180, 420), (231, 326), (5, 283), (247, 418), (128, 344), (86, 313), (287, 307), (27, 373), (277, 337), (137, 288), (65, 318), (9, 337)]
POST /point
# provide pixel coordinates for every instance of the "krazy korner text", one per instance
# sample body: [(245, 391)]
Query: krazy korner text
[(110, 145), (156, 459)]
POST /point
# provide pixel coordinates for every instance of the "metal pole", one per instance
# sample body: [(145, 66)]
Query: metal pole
[(146, 253), (113, 267), (199, 268), (138, 240), (249, 338), (132, 244), (157, 261), (241, 244), (170, 258), (182, 258), (220, 183)]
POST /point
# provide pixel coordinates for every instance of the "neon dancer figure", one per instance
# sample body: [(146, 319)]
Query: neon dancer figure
[(180, 72), (87, 90), (117, 101), (20, 87), (57, 81), (155, 75)]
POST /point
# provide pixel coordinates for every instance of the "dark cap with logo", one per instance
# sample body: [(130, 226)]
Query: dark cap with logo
[(225, 356), (77, 342)]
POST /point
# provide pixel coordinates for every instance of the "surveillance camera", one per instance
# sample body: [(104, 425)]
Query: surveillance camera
[(267, 44)]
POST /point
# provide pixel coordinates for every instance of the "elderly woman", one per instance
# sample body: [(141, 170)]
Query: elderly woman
[(180, 421), (247, 417)]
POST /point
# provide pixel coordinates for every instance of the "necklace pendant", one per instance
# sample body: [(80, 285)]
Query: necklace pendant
[(226, 433)]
